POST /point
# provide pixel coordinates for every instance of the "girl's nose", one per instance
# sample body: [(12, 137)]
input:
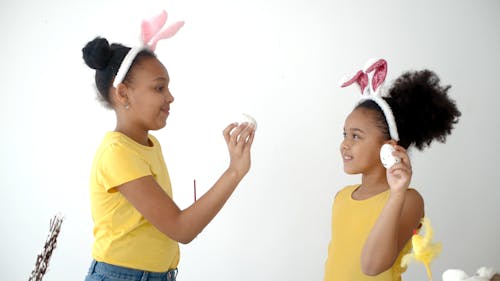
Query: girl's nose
[(169, 97), (344, 145)]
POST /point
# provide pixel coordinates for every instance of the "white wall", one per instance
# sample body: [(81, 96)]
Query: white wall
[(278, 60)]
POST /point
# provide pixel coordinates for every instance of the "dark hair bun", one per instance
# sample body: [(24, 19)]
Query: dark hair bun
[(97, 53), (422, 108)]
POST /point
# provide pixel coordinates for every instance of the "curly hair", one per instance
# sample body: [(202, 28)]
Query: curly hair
[(106, 60), (422, 108)]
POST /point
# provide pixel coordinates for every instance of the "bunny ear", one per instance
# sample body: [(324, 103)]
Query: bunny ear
[(168, 32), (149, 27), (360, 78), (380, 68)]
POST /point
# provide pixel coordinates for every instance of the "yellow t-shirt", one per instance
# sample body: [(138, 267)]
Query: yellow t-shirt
[(352, 221), (122, 235)]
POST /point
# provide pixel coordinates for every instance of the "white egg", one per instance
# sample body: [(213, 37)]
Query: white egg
[(388, 160), (249, 119)]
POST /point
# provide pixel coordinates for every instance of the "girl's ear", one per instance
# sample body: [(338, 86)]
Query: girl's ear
[(392, 142), (120, 95)]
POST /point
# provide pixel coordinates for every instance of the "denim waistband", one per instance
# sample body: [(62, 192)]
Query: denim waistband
[(131, 274)]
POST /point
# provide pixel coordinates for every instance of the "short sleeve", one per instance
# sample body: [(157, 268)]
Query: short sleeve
[(119, 164)]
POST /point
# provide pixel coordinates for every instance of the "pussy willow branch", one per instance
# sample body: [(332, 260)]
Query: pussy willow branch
[(42, 260)]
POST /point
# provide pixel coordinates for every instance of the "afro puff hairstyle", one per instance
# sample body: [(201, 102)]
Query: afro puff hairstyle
[(422, 109)]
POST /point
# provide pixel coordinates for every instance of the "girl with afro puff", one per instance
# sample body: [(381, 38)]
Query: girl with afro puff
[(372, 222)]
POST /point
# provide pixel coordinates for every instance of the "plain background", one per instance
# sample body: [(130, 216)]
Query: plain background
[(279, 61)]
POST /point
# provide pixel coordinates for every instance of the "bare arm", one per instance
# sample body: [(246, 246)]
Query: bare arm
[(395, 225), (184, 225)]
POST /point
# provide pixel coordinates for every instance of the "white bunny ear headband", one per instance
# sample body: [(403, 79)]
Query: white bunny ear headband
[(370, 85), (152, 30)]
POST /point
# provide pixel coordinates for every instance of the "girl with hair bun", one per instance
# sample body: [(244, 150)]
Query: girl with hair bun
[(372, 222), (137, 225)]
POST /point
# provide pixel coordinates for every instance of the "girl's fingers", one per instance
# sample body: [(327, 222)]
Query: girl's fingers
[(401, 153), (227, 131), (400, 169), (250, 138), (240, 136), (404, 166), (244, 136), (399, 175), (234, 133)]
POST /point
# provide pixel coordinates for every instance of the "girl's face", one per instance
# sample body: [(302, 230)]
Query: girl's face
[(149, 96), (360, 148)]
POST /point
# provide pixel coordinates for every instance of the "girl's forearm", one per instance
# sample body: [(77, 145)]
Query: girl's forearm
[(196, 217), (381, 247)]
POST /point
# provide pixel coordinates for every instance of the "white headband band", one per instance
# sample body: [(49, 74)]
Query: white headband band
[(126, 63), (370, 89), (152, 30), (389, 116)]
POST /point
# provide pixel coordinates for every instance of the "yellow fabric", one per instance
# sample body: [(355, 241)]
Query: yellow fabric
[(352, 221), (122, 236)]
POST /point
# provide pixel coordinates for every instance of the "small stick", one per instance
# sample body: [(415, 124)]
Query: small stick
[(194, 182)]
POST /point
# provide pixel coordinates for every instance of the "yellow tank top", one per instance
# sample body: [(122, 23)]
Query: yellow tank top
[(352, 221)]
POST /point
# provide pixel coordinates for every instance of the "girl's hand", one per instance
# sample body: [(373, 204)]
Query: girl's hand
[(399, 175), (239, 139)]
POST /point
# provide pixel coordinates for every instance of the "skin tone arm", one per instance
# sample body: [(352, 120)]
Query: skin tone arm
[(184, 225), (400, 216)]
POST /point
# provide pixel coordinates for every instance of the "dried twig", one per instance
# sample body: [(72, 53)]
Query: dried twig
[(42, 260)]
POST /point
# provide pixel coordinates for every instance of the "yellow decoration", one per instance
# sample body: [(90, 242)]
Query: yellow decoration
[(424, 250)]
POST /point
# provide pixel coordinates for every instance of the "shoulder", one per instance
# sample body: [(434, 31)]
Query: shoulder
[(117, 149), (413, 208), (113, 141), (114, 145), (414, 198), (154, 140), (346, 190)]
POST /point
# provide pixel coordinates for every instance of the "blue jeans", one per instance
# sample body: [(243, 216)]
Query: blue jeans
[(101, 271)]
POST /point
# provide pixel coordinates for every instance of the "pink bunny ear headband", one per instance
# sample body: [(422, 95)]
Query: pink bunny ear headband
[(152, 30), (370, 89)]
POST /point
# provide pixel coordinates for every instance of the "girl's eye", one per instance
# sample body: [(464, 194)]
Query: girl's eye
[(160, 89), (351, 136)]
